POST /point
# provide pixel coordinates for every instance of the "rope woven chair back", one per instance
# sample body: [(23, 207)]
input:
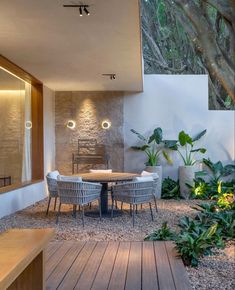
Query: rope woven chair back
[(80, 193), (52, 187), (134, 192)]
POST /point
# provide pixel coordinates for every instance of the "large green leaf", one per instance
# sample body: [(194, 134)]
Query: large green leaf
[(184, 139), (199, 136), (228, 169), (157, 136), (140, 148), (201, 150), (141, 137), (171, 144), (167, 157)]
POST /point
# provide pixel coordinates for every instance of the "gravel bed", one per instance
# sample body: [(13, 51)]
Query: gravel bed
[(214, 272)]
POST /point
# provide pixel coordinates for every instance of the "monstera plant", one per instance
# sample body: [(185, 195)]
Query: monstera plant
[(153, 147), (185, 146)]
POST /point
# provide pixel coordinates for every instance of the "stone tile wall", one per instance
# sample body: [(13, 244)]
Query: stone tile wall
[(11, 134), (88, 110)]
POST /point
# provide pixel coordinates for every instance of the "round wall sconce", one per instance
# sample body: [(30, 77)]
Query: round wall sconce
[(71, 124), (106, 124), (28, 125)]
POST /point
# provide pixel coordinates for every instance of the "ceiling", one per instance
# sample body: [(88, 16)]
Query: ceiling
[(68, 52)]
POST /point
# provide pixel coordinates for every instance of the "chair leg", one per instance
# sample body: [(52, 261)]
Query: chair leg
[(150, 206), (55, 204), (155, 201), (136, 209), (100, 209), (133, 216), (116, 204), (121, 205), (48, 206), (74, 211), (112, 209), (83, 216), (58, 214), (90, 205), (130, 210)]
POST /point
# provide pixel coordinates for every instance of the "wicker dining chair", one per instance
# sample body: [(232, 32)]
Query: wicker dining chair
[(52, 188), (134, 193), (78, 194), (155, 194)]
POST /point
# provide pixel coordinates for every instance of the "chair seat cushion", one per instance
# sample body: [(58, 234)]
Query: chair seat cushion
[(153, 174), (100, 170), (69, 178), (53, 174), (143, 178)]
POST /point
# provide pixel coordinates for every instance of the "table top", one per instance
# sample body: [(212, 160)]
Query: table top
[(18, 247), (107, 177)]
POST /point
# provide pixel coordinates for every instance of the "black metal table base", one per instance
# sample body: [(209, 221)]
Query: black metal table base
[(96, 214)]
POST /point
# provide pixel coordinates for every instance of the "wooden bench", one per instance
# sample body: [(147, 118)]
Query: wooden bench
[(22, 258)]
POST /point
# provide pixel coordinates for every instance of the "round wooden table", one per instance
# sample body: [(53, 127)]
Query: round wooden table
[(105, 179)]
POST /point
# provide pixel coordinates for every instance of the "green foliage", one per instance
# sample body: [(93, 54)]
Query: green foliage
[(226, 201), (218, 170), (170, 189), (185, 147), (153, 146), (193, 245), (215, 186), (163, 234), (211, 227)]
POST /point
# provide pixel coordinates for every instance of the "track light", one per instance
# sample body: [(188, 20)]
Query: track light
[(82, 8), (87, 12), (111, 76)]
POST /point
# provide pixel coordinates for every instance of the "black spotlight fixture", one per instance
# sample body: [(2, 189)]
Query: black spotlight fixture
[(82, 8), (111, 76)]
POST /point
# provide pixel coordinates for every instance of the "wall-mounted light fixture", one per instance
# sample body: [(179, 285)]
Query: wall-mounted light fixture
[(111, 76), (106, 124), (71, 124), (28, 125), (82, 8)]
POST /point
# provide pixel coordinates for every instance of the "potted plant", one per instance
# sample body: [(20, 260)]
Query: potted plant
[(153, 147), (185, 148)]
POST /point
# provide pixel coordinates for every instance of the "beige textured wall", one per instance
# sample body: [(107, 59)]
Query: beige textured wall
[(11, 133), (88, 109)]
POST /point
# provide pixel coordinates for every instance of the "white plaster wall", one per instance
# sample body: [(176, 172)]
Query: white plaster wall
[(18, 199), (175, 103)]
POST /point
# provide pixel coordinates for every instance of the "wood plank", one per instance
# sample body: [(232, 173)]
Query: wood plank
[(149, 271), (18, 248), (52, 248), (88, 275), (57, 257), (64, 265), (32, 277), (103, 275), (72, 276), (177, 268), (133, 280), (165, 278), (118, 277)]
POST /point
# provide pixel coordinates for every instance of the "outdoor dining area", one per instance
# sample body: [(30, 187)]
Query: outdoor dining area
[(83, 190)]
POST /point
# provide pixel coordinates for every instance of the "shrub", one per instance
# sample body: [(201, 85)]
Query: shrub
[(193, 246), (163, 234), (170, 189)]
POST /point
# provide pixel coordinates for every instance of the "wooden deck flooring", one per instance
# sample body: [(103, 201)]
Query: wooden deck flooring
[(114, 266)]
